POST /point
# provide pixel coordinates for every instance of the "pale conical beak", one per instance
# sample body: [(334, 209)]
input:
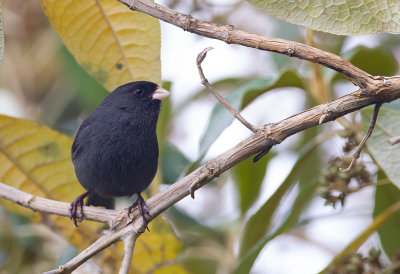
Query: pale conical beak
[(160, 94)]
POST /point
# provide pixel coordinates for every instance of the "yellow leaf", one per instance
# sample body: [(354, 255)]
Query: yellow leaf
[(37, 160), (114, 44)]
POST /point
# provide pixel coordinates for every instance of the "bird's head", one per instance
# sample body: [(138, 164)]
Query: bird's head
[(137, 96)]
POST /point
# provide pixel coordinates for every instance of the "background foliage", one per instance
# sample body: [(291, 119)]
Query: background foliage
[(256, 216)]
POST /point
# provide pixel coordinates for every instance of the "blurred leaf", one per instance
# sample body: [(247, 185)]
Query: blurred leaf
[(386, 156), (306, 193), (346, 17), (290, 32), (157, 251), (173, 164), (385, 196), (90, 92), (164, 119), (248, 177), (220, 85), (112, 43), (240, 98), (191, 230), (260, 223), (394, 105), (1, 36), (376, 61), (37, 160), (200, 266)]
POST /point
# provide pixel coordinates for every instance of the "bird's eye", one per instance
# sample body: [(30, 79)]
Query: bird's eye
[(139, 91)]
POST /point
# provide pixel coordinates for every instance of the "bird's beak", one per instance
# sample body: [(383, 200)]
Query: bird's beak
[(160, 94)]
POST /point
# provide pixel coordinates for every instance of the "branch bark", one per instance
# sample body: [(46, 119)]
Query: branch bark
[(230, 35)]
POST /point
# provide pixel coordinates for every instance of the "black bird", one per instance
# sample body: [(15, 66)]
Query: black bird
[(115, 152)]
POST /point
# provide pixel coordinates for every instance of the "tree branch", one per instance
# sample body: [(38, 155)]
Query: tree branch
[(268, 136), (129, 244), (205, 82), (54, 207), (232, 36)]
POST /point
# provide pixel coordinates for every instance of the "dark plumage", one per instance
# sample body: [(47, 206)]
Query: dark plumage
[(115, 152)]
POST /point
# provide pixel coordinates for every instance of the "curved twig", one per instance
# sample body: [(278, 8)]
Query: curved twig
[(205, 82), (372, 123)]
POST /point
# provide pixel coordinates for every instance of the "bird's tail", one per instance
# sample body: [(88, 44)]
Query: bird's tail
[(96, 200)]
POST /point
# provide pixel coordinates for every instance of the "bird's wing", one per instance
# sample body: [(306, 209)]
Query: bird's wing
[(81, 139)]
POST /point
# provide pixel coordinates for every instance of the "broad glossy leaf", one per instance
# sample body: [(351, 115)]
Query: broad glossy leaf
[(386, 156), (376, 61), (386, 195), (345, 17), (259, 224), (112, 43), (248, 178), (37, 160), (239, 98)]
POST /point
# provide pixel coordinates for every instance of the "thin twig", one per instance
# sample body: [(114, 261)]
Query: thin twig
[(394, 140), (230, 35), (372, 123), (205, 82), (129, 245)]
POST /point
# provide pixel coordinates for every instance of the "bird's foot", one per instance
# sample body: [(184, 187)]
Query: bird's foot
[(141, 204), (73, 209)]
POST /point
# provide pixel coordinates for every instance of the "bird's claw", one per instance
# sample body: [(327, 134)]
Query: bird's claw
[(143, 209), (73, 209)]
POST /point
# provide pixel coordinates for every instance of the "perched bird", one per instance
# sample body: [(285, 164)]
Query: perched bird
[(115, 152)]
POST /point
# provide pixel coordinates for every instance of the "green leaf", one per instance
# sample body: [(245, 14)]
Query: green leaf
[(1, 36), (200, 266), (164, 119), (346, 17), (173, 164), (89, 91), (376, 61), (304, 197), (260, 223), (386, 156), (241, 97), (192, 231), (385, 196), (248, 177)]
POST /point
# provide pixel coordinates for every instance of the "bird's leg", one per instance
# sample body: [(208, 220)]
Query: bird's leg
[(73, 209), (141, 204)]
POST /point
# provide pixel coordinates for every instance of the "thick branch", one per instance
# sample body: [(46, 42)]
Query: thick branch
[(54, 207), (232, 36)]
